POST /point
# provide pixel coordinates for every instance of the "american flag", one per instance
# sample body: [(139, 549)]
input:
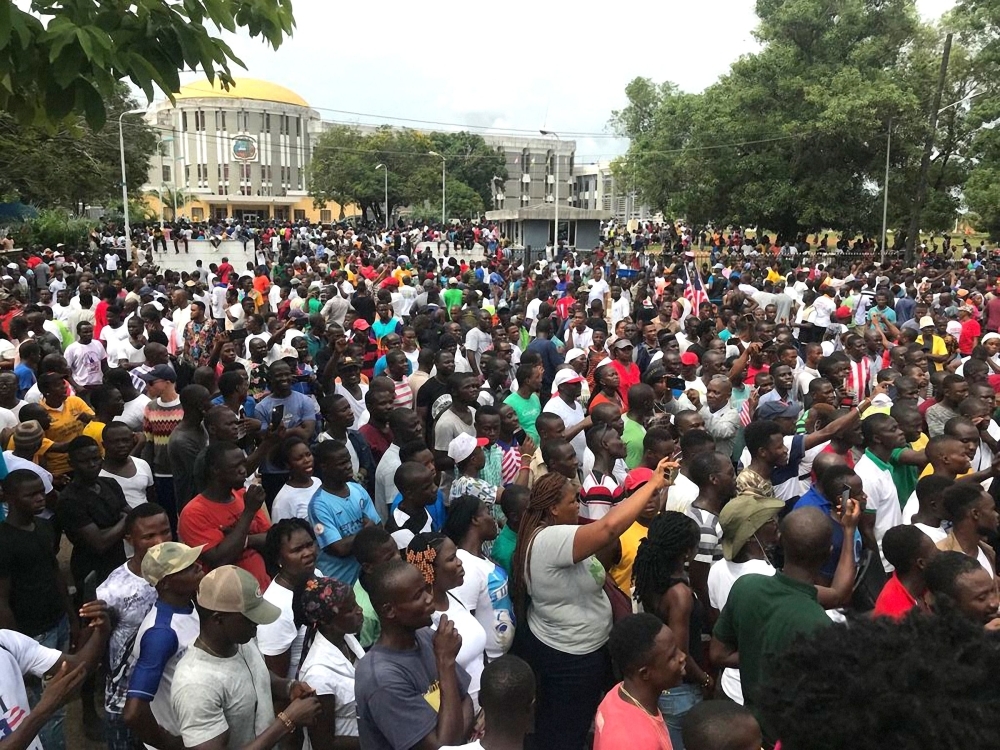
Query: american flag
[(694, 291)]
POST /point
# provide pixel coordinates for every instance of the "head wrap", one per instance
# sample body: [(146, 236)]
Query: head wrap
[(322, 599)]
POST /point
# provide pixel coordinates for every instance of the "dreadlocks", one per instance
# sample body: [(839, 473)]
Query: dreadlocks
[(671, 536), (545, 494)]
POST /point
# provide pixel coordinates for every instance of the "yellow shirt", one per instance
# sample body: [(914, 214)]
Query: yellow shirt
[(928, 470), (95, 430), (65, 426), (773, 275), (938, 347), (622, 570)]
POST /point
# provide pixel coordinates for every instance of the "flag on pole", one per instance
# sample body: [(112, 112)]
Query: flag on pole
[(694, 290)]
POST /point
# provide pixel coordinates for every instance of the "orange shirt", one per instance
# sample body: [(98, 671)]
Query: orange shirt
[(205, 522)]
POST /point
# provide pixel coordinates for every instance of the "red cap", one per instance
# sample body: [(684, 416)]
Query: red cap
[(637, 477), (843, 312), (360, 325), (689, 358)]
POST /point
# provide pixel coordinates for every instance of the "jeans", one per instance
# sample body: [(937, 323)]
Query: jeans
[(674, 705), (165, 498), (570, 688), (116, 734), (51, 735)]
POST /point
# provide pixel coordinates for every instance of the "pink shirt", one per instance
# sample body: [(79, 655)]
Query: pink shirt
[(621, 724)]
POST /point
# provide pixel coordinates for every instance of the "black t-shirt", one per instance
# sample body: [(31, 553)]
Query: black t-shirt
[(430, 392), (364, 307), (103, 505), (28, 559)]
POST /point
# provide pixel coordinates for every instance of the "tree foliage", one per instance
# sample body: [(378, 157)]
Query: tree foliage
[(75, 164), (58, 58), (343, 169), (793, 138)]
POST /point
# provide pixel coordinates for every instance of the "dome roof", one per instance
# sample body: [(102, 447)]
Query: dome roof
[(244, 88)]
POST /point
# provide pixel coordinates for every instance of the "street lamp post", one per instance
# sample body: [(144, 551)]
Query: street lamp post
[(885, 188), (121, 147), (555, 191), (443, 194), (385, 169)]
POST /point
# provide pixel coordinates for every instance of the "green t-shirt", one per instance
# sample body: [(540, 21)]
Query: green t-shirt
[(763, 614), (503, 548), (370, 627), (527, 411), (451, 298), (632, 437)]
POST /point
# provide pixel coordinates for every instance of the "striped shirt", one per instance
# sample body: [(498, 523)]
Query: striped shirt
[(710, 540), (599, 493), (510, 463), (158, 422), (403, 398)]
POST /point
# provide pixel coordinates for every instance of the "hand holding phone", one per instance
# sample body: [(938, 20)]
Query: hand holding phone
[(277, 417)]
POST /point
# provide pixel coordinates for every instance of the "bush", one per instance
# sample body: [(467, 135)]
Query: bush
[(49, 228)]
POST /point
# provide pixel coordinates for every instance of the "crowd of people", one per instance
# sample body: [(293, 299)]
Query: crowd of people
[(368, 493)]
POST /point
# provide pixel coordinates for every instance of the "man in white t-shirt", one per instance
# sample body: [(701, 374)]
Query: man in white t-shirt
[(21, 655), (111, 263), (599, 289), (566, 388), (87, 359), (165, 634)]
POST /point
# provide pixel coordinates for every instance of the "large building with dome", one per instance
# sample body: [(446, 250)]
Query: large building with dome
[(243, 153), (238, 153)]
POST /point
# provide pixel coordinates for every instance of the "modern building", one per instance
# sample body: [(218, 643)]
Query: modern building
[(241, 153), (595, 188)]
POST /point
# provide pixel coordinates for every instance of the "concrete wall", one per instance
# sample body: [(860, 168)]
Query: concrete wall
[(588, 234), (202, 250), (535, 233)]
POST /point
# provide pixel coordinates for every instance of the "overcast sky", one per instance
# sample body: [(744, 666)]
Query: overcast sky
[(486, 66)]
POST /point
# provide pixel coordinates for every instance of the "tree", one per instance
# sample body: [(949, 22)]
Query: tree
[(344, 161), (472, 162), (793, 138), (58, 58), (75, 164), (170, 197)]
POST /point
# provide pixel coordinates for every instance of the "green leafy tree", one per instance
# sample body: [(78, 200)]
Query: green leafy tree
[(58, 58), (471, 161), (75, 164)]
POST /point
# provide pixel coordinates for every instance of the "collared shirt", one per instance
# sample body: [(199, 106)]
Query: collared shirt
[(894, 601)]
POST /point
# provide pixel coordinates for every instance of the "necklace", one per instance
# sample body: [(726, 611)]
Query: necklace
[(200, 643), (632, 698)]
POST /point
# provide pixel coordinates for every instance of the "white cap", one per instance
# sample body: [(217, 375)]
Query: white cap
[(573, 354), (462, 446), (566, 375)]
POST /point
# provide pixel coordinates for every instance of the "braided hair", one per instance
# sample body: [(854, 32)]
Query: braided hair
[(423, 550), (546, 493), (671, 536)]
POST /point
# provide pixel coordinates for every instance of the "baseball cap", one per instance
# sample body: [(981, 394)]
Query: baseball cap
[(360, 325), (622, 343), (28, 432), (452, 281), (346, 362), (232, 589), (462, 446), (843, 312), (637, 477), (927, 322), (573, 354), (160, 372), (742, 517), (563, 377), (689, 358), (295, 281), (166, 559), (779, 410)]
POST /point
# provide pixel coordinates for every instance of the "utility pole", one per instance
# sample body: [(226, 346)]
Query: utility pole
[(913, 235)]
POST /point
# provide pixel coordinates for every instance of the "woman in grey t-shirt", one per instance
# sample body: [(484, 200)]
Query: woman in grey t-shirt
[(558, 588)]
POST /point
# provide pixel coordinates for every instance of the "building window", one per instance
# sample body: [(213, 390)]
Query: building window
[(225, 172), (197, 213), (267, 123), (298, 127), (184, 121), (300, 215), (325, 216), (166, 173), (246, 121), (187, 174), (299, 180), (525, 161), (222, 121), (199, 120)]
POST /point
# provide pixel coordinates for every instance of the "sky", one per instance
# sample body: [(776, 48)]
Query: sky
[(486, 67)]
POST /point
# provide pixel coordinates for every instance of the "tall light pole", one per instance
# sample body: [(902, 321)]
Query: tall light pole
[(385, 169), (555, 190), (121, 147), (443, 194), (885, 188)]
